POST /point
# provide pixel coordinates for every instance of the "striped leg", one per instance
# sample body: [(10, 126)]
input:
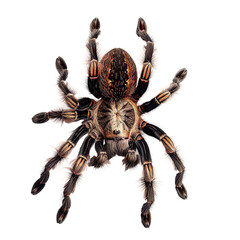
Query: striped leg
[(93, 72), (62, 152), (76, 171), (164, 95), (158, 133), (67, 116), (101, 158), (148, 179), (68, 94), (147, 64)]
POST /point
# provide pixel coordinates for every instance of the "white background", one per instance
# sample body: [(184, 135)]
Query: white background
[(202, 119)]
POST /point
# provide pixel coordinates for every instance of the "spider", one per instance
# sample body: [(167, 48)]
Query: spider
[(114, 122)]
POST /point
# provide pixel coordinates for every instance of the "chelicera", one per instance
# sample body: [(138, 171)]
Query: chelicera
[(114, 122)]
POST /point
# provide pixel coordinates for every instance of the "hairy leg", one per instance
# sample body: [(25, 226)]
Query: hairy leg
[(131, 159), (147, 64), (148, 179), (158, 133), (62, 152), (67, 116), (101, 158), (93, 72), (76, 171), (164, 95)]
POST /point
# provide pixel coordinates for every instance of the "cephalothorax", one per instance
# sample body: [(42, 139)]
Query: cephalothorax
[(113, 123)]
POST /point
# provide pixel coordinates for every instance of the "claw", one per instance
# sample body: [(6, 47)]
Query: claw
[(146, 215), (182, 192), (61, 215), (180, 75), (37, 187), (142, 26), (40, 117), (95, 24), (60, 65)]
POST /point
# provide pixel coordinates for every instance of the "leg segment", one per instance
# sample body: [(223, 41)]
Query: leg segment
[(67, 116), (101, 158), (147, 64), (164, 95), (148, 179), (93, 72), (69, 97), (158, 133), (62, 152), (131, 159), (78, 166), (68, 94)]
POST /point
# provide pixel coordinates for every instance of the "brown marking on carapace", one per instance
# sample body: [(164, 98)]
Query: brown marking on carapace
[(111, 117)]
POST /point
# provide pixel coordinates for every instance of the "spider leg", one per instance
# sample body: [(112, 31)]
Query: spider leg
[(76, 171), (148, 179), (147, 64), (158, 133), (93, 71), (131, 159), (62, 152), (68, 116), (69, 97), (68, 94), (164, 95), (101, 158)]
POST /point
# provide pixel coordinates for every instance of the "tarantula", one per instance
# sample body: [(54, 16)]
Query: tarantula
[(113, 123)]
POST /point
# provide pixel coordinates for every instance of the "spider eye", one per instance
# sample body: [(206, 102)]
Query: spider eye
[(116, 132)]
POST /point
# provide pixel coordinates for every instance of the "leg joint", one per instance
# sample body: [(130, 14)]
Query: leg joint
[(148, 171), (69, 116), (79, 164), (71, 101), (167, 143), (93, 69), (65, 149), (146, 72)]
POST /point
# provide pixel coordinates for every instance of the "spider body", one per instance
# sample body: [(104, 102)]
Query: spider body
[(118, 74), (113, 123), (117, 119)]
